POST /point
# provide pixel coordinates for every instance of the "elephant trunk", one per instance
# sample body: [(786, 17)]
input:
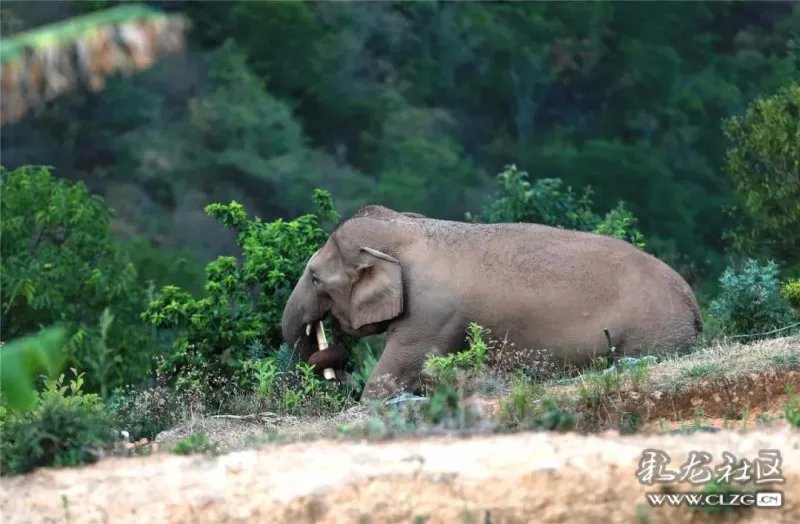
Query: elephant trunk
[(303, 331), (294, 326)]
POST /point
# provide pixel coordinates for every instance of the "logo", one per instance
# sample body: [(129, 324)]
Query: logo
[(699, 469), (770, 499)]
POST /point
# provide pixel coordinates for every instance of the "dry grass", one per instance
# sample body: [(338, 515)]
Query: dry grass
[(716, 384), (720, 382), (233, 434)]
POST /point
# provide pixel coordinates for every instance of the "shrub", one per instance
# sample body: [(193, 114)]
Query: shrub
[(791, 292), (620, 223), (546, 201), (791, 411), (62, 263), (284, 384), (243, 305), (444, 370), (196, 443), (750, 301), (22, 359), (527, 407), (146, 413), (66, 427), (763, 161)]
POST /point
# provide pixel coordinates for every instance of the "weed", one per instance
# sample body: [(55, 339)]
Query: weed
[(703, 370), (66, 427), (792, 411), (528, 408), (716, 486), (443, 370), (196, 443), (788, 361)]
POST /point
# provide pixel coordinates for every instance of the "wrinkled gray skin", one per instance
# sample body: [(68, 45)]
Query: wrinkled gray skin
[(422, 281)]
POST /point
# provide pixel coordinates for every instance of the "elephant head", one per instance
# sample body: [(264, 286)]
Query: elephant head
[(349, 278)]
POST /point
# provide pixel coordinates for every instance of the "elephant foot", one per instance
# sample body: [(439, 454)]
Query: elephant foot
[(382, 388)]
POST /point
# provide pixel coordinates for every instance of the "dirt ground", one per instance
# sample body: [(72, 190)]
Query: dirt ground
[(738, 390), (533, 477)]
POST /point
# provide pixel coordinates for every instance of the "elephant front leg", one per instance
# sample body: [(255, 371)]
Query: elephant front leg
[(399, 370)]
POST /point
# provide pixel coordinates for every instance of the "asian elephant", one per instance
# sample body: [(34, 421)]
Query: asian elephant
[(421, 281)]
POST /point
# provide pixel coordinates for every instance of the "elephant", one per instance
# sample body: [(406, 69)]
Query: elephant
[(422, 281)]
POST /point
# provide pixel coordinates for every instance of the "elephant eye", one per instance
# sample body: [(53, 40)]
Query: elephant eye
[(315, 281)]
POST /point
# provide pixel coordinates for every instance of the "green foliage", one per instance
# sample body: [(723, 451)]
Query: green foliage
[(284, 384), (720, 487), (750, 301), (547, 202), (196, 443), (243, 302), (363, 360), (22, 359), (527, 407), (763, 161), (66, 427), (409, 104), (443, 370), (61, 263), (791, 292), (792, 411), (620, 223), (443, 405), (157, 268)]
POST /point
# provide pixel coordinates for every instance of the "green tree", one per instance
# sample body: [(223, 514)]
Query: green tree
[(763, 161), (546, 201), (243, 305), (61, 263)]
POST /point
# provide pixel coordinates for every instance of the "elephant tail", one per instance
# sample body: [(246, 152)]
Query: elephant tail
[(691, 302), (698, 320)]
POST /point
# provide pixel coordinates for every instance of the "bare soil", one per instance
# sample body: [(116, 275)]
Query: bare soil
[(533, 477), (741, 390)]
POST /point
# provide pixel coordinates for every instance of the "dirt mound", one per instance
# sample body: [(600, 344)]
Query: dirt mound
[(533, 477)]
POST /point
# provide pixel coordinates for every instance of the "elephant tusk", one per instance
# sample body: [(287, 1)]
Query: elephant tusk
[(322, 342)]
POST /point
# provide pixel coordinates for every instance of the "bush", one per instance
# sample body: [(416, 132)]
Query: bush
[(791, 292), (547, 202), (22, 359), (66, 427), (763, 161), (196, 443), (750, 301), (444, 370), (244, 302), (60, 263), (284, 384), (146, 413)]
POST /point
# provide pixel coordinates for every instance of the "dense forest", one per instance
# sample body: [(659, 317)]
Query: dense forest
[(418, 105), (675, 126)]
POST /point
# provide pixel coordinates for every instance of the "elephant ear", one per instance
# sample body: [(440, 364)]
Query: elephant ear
[(378, 289)]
